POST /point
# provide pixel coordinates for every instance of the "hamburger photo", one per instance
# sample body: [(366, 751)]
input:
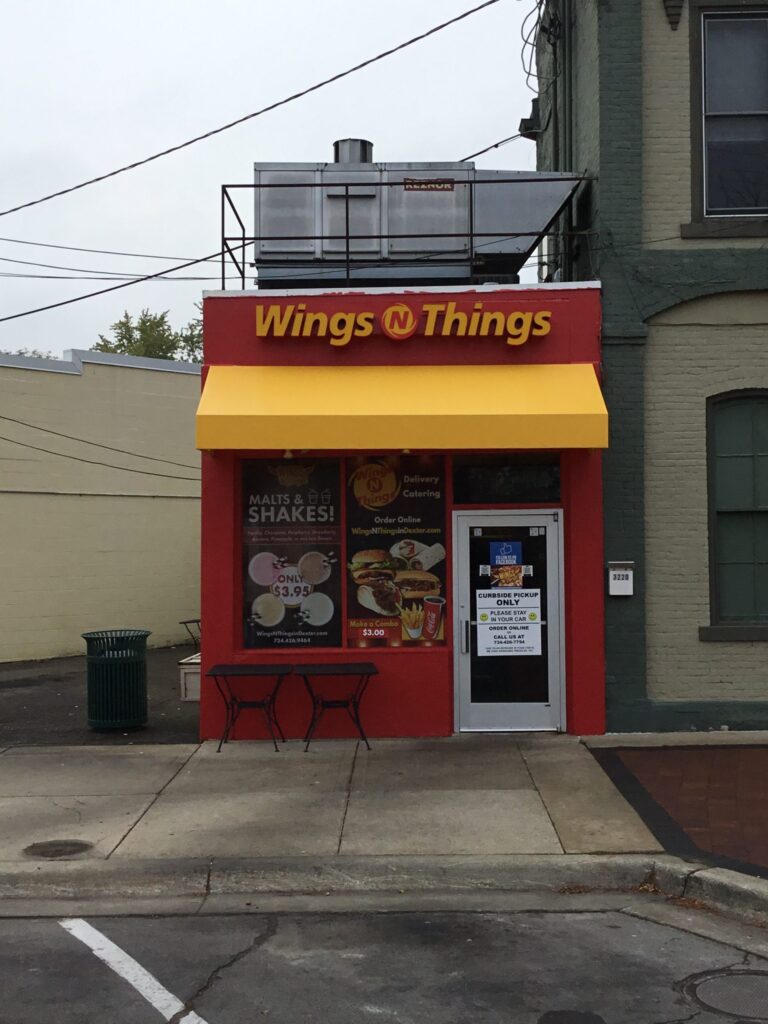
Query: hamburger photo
[(371, 566), (415, 583)]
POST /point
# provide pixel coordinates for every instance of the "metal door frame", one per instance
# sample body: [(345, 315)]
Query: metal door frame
[(494, 516)]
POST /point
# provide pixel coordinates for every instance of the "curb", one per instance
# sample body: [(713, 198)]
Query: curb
[(720, 889), (310, 875)]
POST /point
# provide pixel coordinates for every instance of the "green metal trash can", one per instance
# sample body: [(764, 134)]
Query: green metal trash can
[(117, 678)]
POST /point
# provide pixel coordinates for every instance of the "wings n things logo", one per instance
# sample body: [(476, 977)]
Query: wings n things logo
[(401, 320)]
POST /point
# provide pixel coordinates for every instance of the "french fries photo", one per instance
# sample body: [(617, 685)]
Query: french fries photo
[(412, 618)]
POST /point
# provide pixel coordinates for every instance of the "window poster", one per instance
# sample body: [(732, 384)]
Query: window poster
[(292, 553), (395, 551), (508, 621)]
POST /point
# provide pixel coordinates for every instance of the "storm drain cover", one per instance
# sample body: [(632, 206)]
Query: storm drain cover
[(58, 848), (740, 994)]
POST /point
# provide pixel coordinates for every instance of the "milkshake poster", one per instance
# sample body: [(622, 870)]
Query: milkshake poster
[(291, 553), (396, 551)]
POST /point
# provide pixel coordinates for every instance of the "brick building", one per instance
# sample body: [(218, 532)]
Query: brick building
[(664, 105)]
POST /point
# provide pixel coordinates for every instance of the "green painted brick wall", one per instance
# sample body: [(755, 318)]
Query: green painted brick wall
[(609, 105)]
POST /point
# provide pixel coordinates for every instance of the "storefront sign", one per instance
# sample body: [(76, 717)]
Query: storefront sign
[(396, 551), (481, 318), (508, 622), (291, 553)]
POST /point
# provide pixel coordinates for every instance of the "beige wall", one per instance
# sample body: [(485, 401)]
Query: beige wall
[(86, 546), (694, 350), (667, 135)]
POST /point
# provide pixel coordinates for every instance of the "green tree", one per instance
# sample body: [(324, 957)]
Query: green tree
[(32, 352), (191, 339), (151, 335)]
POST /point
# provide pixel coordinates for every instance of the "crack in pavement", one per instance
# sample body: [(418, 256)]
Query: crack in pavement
[(349, 797), (688, 877), (154, 800), (259, 940), (680, 1020), (69, 808)]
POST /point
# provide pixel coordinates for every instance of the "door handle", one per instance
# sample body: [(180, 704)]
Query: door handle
[(465, 637)]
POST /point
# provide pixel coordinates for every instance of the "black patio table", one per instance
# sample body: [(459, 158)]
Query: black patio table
[(234, 704), (351, 703)]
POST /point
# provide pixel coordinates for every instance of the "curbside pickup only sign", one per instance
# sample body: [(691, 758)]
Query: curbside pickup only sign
[(508, 622)]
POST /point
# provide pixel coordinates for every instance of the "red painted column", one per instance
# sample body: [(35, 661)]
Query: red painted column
[(584, 592), (220, 584)]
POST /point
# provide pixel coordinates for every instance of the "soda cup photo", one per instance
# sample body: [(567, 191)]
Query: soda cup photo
[(433, 616)]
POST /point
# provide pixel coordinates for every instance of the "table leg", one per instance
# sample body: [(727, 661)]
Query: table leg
[(270, 726), (236, 709), (276, 722), (273, 709), (317, 713), (315, 718), (354, 714), (227, 714), (356, 699)]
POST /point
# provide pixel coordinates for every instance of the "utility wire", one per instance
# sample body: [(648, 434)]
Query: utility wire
[(93, 462), (161, 275), (495, 145), (102, 252), (107, 277), (79, 270), (96, 444), (204, 259), (257, 113), (112, 288), (125, 275)]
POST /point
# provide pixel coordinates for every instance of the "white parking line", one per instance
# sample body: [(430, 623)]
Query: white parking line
[(121, 963)]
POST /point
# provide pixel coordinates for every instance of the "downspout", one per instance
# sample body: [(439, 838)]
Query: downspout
[(567, 76)]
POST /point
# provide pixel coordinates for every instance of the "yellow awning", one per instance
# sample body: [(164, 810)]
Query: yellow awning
[(379, 408)]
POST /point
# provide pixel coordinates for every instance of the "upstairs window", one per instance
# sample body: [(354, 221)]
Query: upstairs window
[(735, 113), (738, 507)]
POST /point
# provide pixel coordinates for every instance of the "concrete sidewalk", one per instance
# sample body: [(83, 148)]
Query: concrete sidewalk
[(476, 821), (476, 796)]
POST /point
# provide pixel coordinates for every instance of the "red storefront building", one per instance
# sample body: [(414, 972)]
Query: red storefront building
[(411, 476)]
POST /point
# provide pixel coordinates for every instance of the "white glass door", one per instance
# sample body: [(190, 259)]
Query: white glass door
[(509, 658)]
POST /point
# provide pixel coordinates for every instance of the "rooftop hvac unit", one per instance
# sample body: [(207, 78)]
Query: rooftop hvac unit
[(353, 221)]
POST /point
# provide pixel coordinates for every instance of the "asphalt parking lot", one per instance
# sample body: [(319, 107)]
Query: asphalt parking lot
[(44, 702), (307, 968)]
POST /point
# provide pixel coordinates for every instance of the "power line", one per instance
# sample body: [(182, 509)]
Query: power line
[(58, 266), (155, 256), (161, 275), (495, 145), (102, 275), (112, 288), (102, 252), (204, 259), (257, 113), (135, 278), (93, 462), (96, 444)]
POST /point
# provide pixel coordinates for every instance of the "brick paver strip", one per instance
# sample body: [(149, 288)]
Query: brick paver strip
[(718, 796)]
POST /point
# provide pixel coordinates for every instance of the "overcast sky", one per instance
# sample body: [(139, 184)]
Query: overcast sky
[(89, 85)]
